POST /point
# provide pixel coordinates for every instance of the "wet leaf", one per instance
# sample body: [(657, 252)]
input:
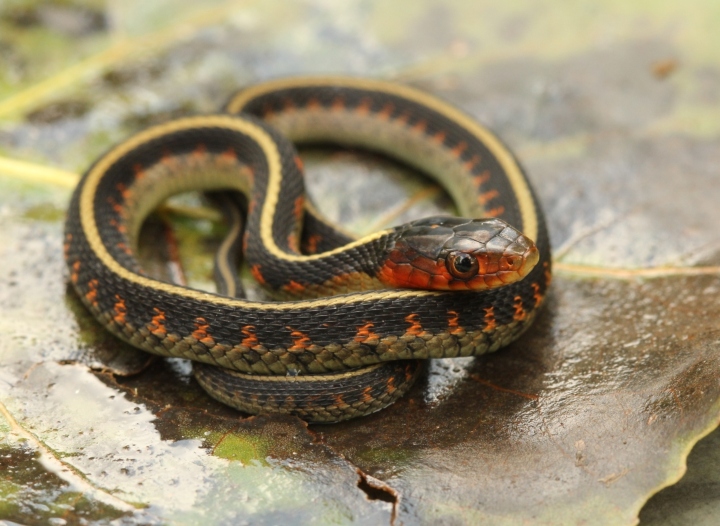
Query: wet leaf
[(581, 421)]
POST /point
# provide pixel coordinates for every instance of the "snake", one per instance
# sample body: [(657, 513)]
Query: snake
[(347, 320)]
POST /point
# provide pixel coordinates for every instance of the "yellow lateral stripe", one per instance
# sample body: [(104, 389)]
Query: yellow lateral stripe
[(223, 264), (89, 225), (313, 378), (37, 173), (513, 172)]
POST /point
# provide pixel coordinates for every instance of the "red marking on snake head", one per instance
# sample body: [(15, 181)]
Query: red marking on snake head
[(450, 253)]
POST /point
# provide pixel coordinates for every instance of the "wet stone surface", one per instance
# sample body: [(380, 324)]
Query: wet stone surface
[(581, 421)]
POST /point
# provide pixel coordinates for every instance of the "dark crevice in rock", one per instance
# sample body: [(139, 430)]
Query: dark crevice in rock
[(376, 489)]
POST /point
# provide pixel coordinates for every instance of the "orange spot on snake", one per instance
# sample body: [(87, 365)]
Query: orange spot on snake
[(470, 164), (75, 271), (338, 104), (201, 333), (120, 227), (299, 206), (404, 118), (364, 107), (168, 159), (487, 196), (122, 246), (255, 271), (117, 207), (495, 212), (120, 310), (520, 313), (138, 171), (408, 372), (453, 324), (157, 325), (299, 163), (313, 104), (420, 127), (364, 333), (366, 396), (294, 287), (386, 111), (415, 327), (66, 245), (390, 386), (490, 322), (439, 137), (481, 179), (91, 294), (250, 339), (312, 243), (289, 105), (301, 341), (199, 152), (229, 156), (536, 293), (125, 192), (340, 401), (459, 149)]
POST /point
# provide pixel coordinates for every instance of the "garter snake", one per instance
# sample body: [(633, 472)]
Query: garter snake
[(355, 314)]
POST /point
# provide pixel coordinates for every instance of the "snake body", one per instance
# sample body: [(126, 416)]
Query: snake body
[(341, 344)]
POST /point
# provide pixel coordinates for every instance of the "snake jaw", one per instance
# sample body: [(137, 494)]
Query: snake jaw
[(442, 253)]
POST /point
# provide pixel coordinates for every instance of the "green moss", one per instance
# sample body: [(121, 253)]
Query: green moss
[(244, 447)]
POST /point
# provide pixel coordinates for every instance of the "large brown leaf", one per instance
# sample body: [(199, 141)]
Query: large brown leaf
[(580, 422)]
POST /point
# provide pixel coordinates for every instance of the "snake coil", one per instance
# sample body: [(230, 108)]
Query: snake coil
[(357, 313)]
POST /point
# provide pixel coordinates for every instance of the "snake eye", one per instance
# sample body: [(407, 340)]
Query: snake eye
[(462, 265)]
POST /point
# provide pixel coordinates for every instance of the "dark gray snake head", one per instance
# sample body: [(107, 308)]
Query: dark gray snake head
[(454, 253)]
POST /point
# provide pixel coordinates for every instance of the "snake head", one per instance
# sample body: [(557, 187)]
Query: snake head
[(454, 253)]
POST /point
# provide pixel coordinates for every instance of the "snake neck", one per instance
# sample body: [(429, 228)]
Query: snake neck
[(350, 268)]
